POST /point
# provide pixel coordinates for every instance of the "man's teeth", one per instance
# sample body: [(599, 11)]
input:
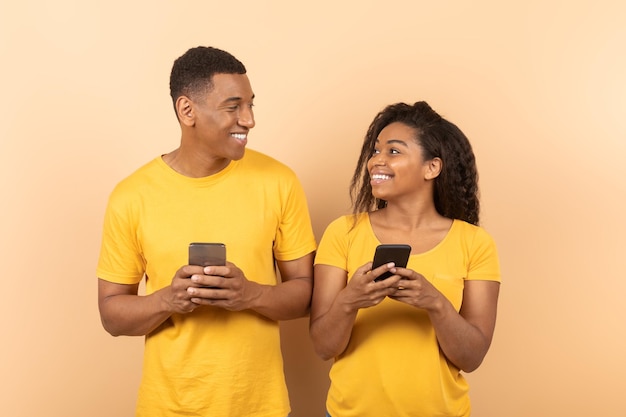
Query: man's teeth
[(380, 177), (240, 136)]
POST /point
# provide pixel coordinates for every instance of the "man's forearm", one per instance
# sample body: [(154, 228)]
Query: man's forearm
[(285, 301), (133, 315)]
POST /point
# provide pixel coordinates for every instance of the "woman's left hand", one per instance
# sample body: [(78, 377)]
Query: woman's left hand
[(415, 290)]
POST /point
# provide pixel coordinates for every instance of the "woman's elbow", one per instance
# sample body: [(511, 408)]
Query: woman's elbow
[(322, 350), (471, 366), (472, 362), (324, 354)]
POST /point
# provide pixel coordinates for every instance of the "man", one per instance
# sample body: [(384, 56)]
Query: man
[(212, 338)]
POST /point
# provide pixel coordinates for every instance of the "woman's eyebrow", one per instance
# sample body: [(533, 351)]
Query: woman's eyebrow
[(395, 141)]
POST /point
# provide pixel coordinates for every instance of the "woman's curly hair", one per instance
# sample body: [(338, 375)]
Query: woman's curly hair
[(456, 192)]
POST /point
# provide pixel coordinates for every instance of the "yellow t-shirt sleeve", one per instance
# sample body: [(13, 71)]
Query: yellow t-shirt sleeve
[(120, 258)]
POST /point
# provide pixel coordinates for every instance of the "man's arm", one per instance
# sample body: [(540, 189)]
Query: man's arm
[(291, 298), (124, 312)]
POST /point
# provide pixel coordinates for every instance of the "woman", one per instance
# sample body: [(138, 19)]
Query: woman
[(401, 343)]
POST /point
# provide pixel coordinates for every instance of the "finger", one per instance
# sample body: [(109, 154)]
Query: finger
[(218, 270), (194, 281), (383, 272), (200, 295), (188, 270), (402, 272), (391, 282), (399, 294), (397, 289), (208, 281)]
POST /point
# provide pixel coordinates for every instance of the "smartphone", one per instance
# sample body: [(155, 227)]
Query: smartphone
[(396, 253), (205, 254)]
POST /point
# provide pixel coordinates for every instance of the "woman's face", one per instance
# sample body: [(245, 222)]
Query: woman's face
[(396, 167)]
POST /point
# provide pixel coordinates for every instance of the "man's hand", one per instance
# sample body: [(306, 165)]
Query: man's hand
[(179, 298), (221, 286)]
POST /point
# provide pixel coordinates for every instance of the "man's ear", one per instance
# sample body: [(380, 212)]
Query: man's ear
[(433, 168), (184, 111)]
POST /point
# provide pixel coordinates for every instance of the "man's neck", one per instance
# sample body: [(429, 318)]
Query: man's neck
[(194, 165)]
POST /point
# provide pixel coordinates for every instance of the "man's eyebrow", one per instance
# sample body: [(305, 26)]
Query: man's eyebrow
[(235, 99), (232, 99)]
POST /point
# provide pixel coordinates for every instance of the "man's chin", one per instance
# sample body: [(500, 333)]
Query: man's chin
[(236, 156)]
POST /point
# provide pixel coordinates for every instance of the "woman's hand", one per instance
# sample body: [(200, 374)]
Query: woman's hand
[(362, 291), (415, 290)]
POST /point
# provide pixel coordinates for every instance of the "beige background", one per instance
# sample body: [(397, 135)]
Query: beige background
[(538, 86)]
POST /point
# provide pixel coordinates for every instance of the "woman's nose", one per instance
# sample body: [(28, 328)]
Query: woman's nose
[(378, 160)]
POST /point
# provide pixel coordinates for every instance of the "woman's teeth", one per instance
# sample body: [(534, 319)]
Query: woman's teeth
[(380, 177)]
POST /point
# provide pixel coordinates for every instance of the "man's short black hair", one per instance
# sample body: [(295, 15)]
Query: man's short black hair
[(192, 73)]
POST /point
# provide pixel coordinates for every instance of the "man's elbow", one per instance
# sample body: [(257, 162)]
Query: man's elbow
[(109, 328)]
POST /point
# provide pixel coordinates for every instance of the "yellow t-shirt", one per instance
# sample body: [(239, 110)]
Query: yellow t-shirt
[(211, 362), (392, 365)]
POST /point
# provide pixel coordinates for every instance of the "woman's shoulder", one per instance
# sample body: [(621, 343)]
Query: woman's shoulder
[(471, 231), (348, 222), (351, 219)]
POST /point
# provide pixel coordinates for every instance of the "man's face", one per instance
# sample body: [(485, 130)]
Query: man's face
[(223, 117)]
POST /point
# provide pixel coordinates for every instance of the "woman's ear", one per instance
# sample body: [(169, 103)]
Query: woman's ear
[(433, 168), (184, 111)]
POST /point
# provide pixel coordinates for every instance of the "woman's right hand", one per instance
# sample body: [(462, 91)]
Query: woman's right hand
[(362, 291)]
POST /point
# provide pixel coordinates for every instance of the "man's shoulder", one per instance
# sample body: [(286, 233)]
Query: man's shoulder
[(138, 178), (254, 155), (256, 159)]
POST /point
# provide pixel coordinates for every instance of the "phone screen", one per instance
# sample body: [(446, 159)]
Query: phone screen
[(205, 254), (396, 253)]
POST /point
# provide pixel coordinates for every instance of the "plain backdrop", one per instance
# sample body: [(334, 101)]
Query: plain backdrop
[(538, 86)]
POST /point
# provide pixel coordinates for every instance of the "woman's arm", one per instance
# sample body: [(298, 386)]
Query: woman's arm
[(465, 336), (336, 303)]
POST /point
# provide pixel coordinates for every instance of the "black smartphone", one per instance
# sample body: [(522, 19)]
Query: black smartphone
[(396, 253), (205, 254)]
